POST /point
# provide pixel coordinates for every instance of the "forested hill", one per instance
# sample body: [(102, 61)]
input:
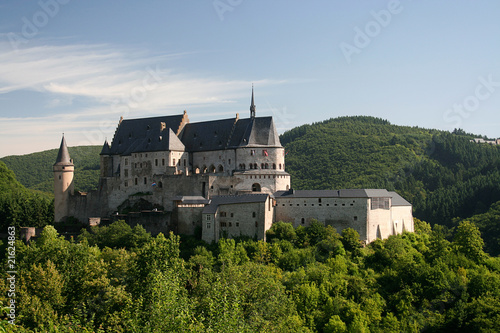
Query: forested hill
[(442, 174), (20, 206), (35, 170)]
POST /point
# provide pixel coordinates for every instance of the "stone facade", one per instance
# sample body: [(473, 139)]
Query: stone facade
[(226, 178), (372, 213)]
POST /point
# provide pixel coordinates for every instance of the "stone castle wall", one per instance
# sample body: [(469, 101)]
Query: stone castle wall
[(340, 213)]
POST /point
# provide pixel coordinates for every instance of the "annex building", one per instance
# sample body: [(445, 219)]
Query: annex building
[(225, 178)]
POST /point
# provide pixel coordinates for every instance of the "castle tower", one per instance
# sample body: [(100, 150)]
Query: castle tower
[(63, 182)]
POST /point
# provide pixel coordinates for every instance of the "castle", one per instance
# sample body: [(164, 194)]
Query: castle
[(225, 178)]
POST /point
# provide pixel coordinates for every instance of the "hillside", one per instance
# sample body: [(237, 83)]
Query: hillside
[(443, 174), (35, 170), (20, 206)]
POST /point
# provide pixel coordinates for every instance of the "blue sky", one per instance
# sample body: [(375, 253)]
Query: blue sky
[(77, 66)]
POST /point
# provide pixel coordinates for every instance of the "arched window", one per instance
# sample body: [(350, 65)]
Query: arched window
[(266, 166), (255, 166), (303, 220), (205, 169), (262, 166), (221, 168), (212, 169), (160, 184), (280, 166), (256, 187), (196, 170), (274, 166), (243, 166)]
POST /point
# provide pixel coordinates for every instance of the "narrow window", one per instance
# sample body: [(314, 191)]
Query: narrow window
[(145, 180)]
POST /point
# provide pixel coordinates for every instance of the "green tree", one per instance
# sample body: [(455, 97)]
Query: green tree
[(469, 242)]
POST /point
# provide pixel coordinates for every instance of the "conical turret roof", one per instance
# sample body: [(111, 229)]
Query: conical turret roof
[(63, 154), (105, 149)]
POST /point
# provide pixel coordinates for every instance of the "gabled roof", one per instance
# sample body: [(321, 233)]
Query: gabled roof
[(398, 200), (348, 193), (207, 135), (230, 133), (63, 154), (164, 140), (216, 201), (134, 133)]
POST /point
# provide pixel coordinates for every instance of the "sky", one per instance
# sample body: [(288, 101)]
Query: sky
[(76, 67)]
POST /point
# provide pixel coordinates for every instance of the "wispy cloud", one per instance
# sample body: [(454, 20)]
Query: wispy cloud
[(117, 82)]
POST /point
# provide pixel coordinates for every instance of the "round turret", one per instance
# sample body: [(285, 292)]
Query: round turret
[(63, 182)]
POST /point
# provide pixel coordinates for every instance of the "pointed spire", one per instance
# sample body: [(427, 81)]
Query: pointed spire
[(252, 107), (105, 148), (63, 154)]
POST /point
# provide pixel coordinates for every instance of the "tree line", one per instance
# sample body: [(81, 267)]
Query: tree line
[(308, 279)]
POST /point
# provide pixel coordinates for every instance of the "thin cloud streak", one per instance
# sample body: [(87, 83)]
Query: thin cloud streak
[(124, 83)]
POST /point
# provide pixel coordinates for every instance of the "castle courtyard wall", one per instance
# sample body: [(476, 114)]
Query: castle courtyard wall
[(340, 213)]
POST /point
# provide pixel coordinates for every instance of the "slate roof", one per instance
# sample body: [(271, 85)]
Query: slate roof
[(147, 134), (398, 200), (132, 135), (63, 154), (348, 193), (105, 148), (216, 201), (208, 135), (230, 133)]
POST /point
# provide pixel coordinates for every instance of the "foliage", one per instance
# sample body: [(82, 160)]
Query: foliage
[(304, 280), (22, 207)]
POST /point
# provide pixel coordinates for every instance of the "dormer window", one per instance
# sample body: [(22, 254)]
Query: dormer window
[(160, 138), (147, 128), (215, 133)]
